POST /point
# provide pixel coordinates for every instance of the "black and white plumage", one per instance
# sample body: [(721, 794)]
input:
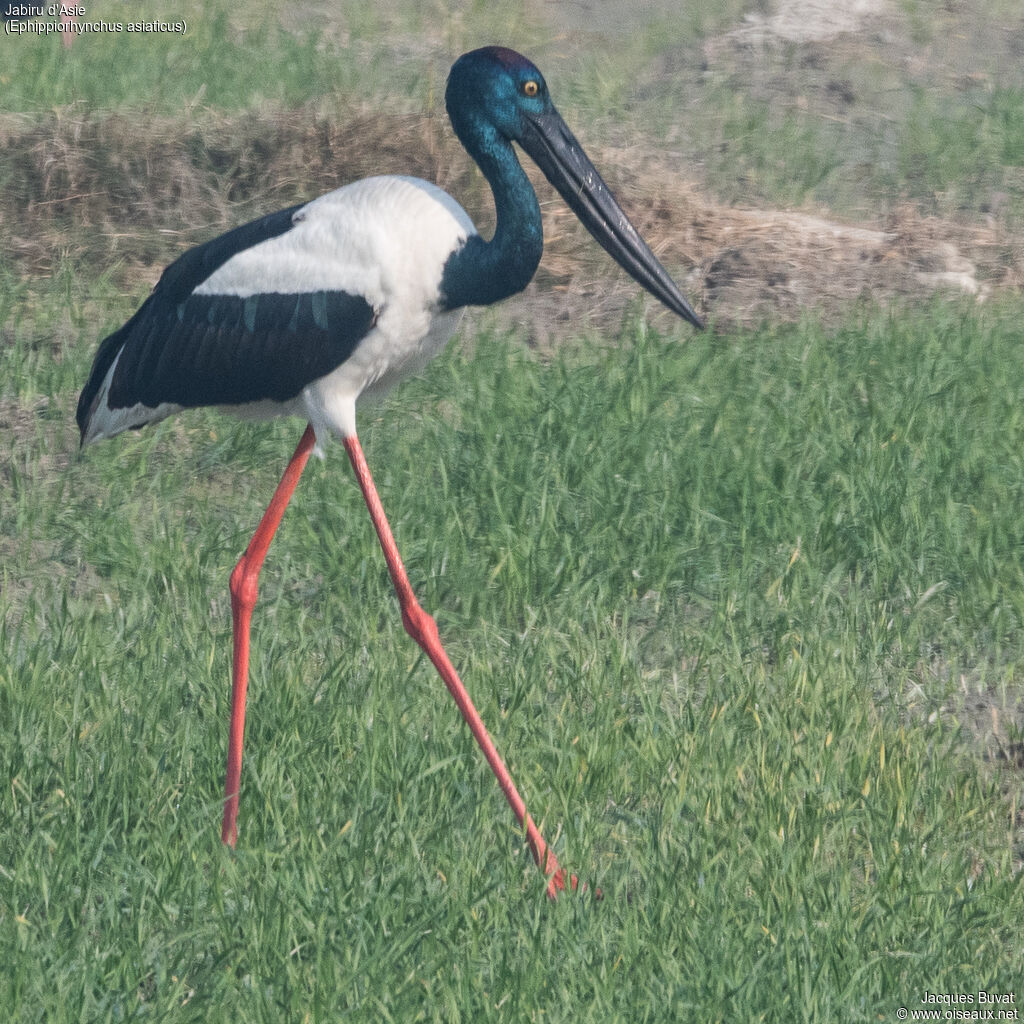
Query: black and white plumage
[(299, 312), (304, 311)]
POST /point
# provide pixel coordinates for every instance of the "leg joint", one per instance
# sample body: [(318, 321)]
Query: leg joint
[(420, 625), (244, 584)]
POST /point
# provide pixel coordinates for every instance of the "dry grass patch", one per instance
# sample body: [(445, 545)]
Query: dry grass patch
[(113, 191)]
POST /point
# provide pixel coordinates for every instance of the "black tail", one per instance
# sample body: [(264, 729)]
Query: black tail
[(105, 356)]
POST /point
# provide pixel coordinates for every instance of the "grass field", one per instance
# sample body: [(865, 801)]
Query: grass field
[(744, 610), (723, 603)]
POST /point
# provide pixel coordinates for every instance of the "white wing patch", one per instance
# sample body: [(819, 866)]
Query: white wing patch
[(378, 238)]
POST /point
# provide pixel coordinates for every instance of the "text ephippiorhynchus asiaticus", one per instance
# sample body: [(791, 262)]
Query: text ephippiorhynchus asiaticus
[(304, 311)]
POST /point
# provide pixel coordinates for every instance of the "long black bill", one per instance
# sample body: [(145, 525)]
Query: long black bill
[(559, 155)]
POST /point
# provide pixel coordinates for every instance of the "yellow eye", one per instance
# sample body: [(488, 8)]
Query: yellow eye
[(530, 88)]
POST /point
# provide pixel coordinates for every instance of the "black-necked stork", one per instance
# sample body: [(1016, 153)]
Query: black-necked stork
[(305, 311)]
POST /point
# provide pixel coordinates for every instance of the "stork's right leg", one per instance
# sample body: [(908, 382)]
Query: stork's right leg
[(244, 587), (423, 629)]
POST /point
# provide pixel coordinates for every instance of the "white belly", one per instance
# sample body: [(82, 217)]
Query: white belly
[(389, 353)]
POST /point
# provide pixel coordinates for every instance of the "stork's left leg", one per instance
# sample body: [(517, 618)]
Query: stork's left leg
[(244, 580), (423, 629)]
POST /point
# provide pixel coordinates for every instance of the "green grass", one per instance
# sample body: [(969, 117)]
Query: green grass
[(233, 58), (727, 604)]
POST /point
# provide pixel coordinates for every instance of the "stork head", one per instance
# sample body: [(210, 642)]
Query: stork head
[(497, 86), (496, 96)]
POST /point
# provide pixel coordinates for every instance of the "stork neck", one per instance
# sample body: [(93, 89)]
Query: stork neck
[(483, 272)]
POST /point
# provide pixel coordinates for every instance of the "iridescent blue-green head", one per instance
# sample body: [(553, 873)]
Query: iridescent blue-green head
[(495, 97), (495, 89)]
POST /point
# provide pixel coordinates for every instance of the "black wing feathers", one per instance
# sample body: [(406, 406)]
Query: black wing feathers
[(227, 350), (193, 350)]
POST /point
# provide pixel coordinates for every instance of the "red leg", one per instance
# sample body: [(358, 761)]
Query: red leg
[(244, 587), (423, 629)]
